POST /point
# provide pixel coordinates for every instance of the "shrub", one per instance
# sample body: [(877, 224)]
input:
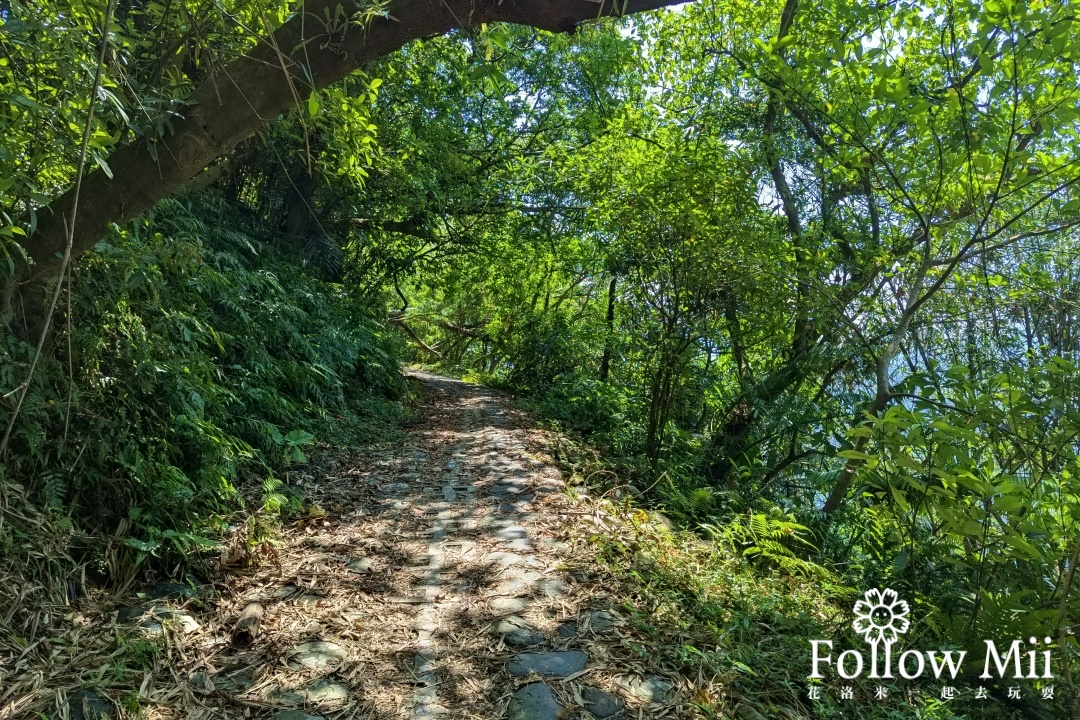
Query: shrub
[(195, 353)]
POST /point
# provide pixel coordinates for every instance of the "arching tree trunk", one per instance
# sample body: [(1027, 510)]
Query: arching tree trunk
[(235, 101)]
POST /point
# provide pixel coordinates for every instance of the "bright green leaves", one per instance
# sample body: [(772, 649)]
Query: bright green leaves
[(492, 37), (292, 442), (775, 46), (869, 460), (485, 72), (492, 47), (956, 455), (156, 51), (335, 135), (313, 104), (11, 237), (373, 89)]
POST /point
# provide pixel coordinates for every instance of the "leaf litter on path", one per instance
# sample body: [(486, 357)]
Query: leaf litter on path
[(384, 600)]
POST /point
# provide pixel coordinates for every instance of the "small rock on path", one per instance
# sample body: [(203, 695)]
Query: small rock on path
[(550, 664), (534, 701)]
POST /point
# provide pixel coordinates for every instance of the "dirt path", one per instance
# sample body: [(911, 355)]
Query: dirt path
[(428, 581)]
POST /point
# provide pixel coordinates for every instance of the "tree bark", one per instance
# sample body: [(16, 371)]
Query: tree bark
[(609, 323), (400, 322), (235, 101), (297, 206), (883, 395)]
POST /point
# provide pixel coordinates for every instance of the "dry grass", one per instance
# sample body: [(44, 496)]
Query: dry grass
[(379, 506)]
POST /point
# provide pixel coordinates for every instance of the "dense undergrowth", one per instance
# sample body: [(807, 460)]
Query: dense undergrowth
[(794, 275), (200, 357), (711, 615), (731, 589), (804, 274)]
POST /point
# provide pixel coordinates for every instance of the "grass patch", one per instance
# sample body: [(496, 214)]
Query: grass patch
[(741, 631)]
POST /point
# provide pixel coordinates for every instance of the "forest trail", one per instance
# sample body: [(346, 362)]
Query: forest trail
[(434, 585)]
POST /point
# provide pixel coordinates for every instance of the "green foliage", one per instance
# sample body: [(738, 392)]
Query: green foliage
[(274, 501), (709, 614), (292, 442), (772, 269), (773, 539), (587, 407), (708, 611), (772, 258), (196, 352), (137, 652), (950, 464), (157, 53)]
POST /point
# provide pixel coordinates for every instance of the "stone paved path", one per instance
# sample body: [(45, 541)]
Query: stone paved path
[(425, 582)]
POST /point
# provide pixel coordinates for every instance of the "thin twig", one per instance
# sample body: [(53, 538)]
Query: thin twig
[(70, 363), (70, 223)]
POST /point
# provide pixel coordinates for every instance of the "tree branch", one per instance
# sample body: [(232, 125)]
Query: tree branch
[(235, 101)]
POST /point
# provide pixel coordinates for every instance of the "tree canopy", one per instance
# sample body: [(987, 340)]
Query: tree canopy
[(803, 273)]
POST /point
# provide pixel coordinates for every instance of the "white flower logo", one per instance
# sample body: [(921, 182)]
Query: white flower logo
[(881, 616)]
